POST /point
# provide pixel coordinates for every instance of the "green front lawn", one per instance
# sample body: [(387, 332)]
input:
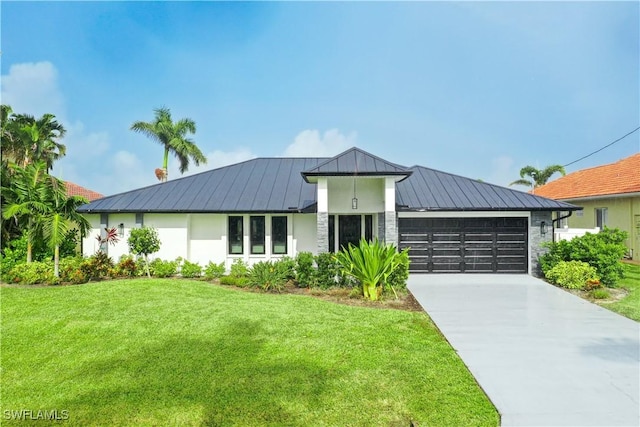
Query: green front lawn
[(630, 305), (180, 352)]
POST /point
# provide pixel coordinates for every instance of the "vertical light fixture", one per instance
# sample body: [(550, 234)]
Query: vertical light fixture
[(121, 229), (354, 201), (543, 228)]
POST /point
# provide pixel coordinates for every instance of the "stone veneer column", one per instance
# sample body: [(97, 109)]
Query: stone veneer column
[(536, 239), (322, 227), (381, 226), (390, 222)]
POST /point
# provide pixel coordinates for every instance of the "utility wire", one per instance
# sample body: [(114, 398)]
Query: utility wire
[(599, 150)]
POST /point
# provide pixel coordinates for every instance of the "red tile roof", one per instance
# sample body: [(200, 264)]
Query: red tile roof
[(616, 178), (76, 190)]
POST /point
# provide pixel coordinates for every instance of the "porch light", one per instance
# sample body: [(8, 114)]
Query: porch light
[(543, 228), (121, 229), (354, 203)]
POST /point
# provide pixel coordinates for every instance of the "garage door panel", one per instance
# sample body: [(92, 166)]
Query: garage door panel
[(470, 245)]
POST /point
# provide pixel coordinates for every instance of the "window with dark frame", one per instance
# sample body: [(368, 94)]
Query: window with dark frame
[(332, 233), (236, 235), (257, 234), (368, 228), (279, 235), (601, 217)]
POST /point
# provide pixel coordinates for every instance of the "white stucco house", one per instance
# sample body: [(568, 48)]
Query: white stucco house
[(267, 208)]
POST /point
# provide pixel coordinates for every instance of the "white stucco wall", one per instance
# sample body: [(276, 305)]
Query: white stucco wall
[(208, 238), (370, 193), (173, 234), (304, 233), (89, 243)]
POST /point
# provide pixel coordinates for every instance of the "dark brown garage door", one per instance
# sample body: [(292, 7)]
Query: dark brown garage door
[(465, 245)]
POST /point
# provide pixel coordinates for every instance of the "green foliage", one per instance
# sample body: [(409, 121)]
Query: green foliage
[(603, 251), (571, 274), (326, 275), (214, 271), (161, 268), (398, 277), (287, 267), (239, 268), (191, 269), (33, 273), (71, 270), (370, 264), (97, 266), (267, 276), (304, 269), (600, 293), (69, 245), (239, 281), (144, 241), (126, 267)]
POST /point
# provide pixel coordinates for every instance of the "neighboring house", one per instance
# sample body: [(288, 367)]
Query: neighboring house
[(609, 196), (77, 190), (267, 208)]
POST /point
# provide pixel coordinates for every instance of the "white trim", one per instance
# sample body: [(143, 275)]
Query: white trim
[(323, 195)]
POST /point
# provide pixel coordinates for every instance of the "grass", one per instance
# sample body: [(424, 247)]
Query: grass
[(629, 306), (167, 352)]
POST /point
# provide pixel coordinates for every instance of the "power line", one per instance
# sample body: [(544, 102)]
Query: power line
[(599, 150)]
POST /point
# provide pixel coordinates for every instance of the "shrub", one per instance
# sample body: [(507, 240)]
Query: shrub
[(144, 241), (571, 274), (36, 272), (240, 282), (126, 267), (267, 276), (603, 251), (600, 293), (71, 270), (287, 267), (97, 266), (239, 268), (214, 271), (397, 280), (304, 269), (161, 268), (326, 274), (191, 269)]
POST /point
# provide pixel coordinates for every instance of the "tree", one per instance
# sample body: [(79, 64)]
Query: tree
[(33, 140), (538, 176), (173, 137), (60, 217), (144, 241)]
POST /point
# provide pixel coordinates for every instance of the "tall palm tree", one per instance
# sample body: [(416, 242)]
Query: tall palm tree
[(538, 176), (173, 136), (60, 216), (26, 199), (27, 139)]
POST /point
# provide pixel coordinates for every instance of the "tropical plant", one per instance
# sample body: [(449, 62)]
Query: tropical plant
[(110, 238), (304, 269), (31, 140), (144, 241), (239, 268), (173, 137), (267, 276), (571, 274), (190, 269), (370, 263), (214, 271), (538, 176)]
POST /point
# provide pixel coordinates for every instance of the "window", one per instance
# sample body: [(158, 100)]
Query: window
[(279, 235), (332, 233), (257, 234), (235, 235), (561, 223), (601, 217), (368, 228)]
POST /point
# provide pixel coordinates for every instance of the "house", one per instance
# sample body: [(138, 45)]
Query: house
[(77, 190), (267, 208), (609, 196)]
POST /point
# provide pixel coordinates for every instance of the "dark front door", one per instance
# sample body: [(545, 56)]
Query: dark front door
[(349, 230)]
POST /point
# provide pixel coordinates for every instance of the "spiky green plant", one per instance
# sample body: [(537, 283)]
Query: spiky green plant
[(371, 263)]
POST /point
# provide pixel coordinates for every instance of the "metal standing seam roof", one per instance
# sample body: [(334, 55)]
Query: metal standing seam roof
[(278, 185)]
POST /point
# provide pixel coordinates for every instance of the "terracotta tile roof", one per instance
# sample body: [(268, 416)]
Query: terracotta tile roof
[(76, 190), (620, 177)]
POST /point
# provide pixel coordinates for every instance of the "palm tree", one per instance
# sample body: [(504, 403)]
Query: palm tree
[(173, 137), (26, 139), (27, 199), (60, 216), (538, 176)]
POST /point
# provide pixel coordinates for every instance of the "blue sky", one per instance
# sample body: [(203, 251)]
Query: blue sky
[(479, 89)]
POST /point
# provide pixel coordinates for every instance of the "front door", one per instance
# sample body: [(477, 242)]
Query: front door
[(349, 230)]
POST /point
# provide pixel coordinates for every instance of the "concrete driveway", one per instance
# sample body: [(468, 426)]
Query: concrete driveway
[(543, 356)]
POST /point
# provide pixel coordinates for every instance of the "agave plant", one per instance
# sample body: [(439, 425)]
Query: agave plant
[(370, 263)]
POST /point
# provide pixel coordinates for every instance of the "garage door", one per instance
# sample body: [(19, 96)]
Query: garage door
[(465, 245)]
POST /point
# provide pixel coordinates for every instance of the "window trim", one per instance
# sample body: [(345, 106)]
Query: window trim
[(261, 240), (283, 239), (241, 232), (603, 214)]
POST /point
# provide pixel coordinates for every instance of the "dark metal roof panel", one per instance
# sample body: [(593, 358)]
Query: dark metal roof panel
[(430, 189), (355, 161)]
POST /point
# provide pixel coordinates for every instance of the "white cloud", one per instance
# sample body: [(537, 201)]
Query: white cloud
[(503, 171), (32, 88), (309, 143)]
